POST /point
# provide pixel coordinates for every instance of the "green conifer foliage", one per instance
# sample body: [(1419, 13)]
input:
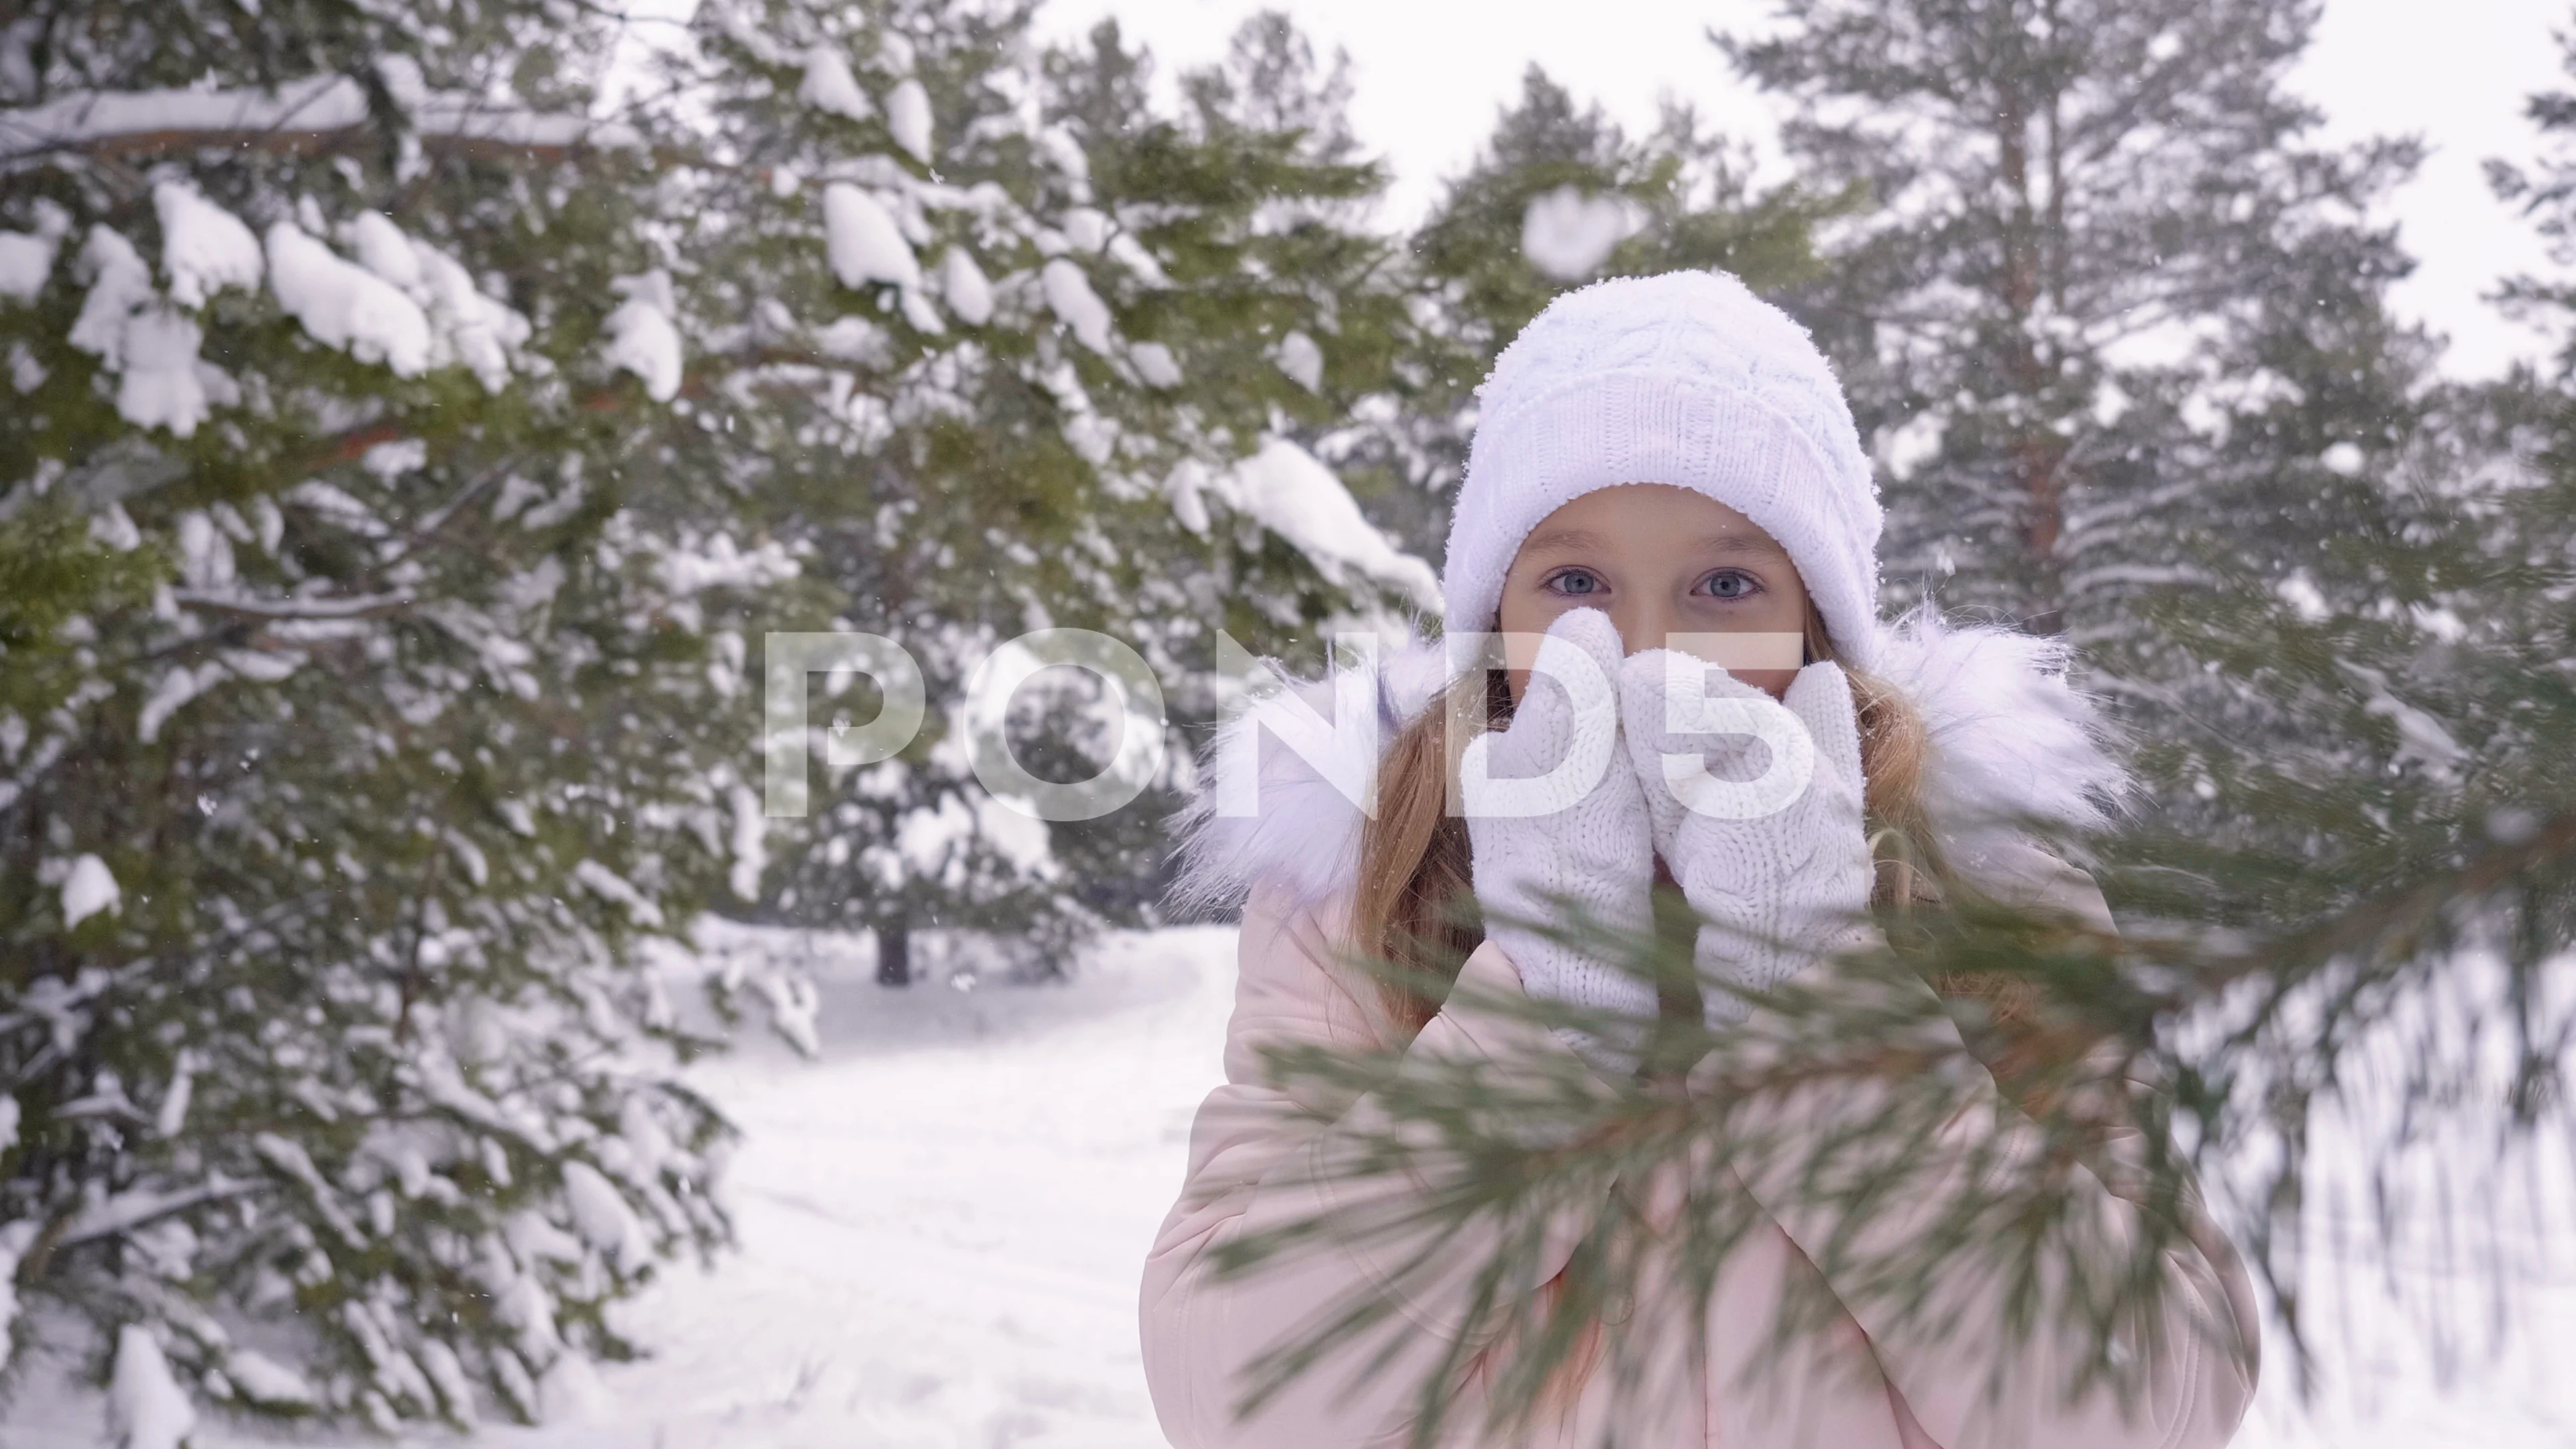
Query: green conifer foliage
[(2108, 308), (352, 731), (1005, 349)]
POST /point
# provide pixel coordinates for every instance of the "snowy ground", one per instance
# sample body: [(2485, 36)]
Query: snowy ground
[(942, 1221)]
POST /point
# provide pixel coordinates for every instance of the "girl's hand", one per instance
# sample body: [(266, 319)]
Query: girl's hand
[(1768, 843), (1579, 839)]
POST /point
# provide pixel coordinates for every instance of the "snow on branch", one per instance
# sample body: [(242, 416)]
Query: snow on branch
[(306, 115), (363, 606), (129, 1210)]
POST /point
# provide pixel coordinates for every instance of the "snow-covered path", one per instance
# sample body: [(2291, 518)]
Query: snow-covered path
[(943, 1218)]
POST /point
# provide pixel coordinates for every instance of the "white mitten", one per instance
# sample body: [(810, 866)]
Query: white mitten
[(1555, 816), (1756, 807)]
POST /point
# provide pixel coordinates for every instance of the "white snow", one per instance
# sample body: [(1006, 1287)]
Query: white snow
[(863, 240), (465, 325), (1069, 296), (472, 329), (1086, 228), (2301, 594), (203, 247), (149, 345), (317, 103), (471, 117), (384, 250), (918, 311), (172, 1114), (25, 261), (114, 527), (750, 843), (962, 282), (944, 1218), (2421, 737), (720, 563), (118, 282), (1155, 364), (1302, 360), (858, 340), (643, 336), (908, 116), (345, 305), (1132, 254), (478, 331), (164, 383), (179, 684), (1567, 233), (1295, 496), (1017, 835), (27, 258), (314, 105), (1911, 444), (930, 839), (609, 886), (26, 371), (390, 460), (829, 85), (601, 1215), (88, 889), (14, 1239), (146, 1407), (2344, 458), (263, 1380)]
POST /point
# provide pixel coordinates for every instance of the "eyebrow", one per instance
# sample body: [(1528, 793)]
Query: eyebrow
[(1739, 544), (1762, 545), (1565, 538)]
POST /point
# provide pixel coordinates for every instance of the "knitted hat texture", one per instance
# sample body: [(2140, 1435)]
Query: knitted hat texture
[(1688, 379)]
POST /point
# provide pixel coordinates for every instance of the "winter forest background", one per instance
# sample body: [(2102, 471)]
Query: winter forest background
[(417, 411)]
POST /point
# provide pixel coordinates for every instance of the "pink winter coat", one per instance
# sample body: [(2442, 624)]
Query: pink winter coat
[(1252, 1166)]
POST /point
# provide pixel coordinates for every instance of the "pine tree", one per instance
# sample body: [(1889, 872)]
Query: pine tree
[(2110, 312), (354, 713), (993, 340)]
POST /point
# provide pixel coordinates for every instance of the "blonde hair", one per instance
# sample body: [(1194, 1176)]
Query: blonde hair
[(1415, 869)]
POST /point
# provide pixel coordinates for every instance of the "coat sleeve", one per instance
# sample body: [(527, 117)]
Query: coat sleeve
[(1978, 1383), (1259, 1158)]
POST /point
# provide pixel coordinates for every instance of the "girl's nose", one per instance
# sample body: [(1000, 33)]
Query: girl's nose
[(1643, 624)]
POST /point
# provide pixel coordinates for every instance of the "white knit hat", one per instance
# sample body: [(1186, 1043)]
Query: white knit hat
[(1685, 378)]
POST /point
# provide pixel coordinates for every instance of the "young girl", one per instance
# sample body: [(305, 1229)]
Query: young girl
[(1663, 467)]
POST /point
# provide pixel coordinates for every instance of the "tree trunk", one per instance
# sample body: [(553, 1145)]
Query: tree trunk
[(894, 955)]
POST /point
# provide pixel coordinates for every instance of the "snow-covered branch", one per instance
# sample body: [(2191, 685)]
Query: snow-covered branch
[(315, 114), (243, 606)]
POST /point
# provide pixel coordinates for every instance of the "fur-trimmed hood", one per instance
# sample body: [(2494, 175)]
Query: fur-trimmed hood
[(2015, 749)]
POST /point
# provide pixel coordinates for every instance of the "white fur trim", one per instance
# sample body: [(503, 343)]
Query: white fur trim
[(1306, 835), (2015, 750)]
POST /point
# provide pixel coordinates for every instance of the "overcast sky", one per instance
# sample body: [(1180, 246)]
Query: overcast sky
[(1431, 74)]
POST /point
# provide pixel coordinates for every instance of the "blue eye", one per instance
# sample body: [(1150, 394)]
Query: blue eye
[(1731, 584), (1576, 583)]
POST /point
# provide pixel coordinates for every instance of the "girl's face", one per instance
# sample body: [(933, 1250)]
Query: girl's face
[(1673, 569)]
